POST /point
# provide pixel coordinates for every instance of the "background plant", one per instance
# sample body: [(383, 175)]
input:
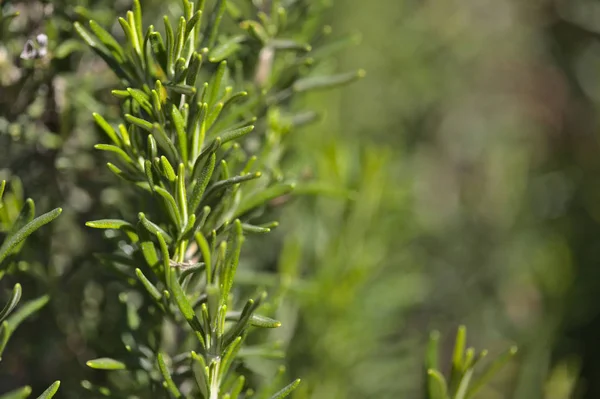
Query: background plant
[(18, 221)]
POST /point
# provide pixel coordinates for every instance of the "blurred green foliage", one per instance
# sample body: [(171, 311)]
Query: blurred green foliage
[(468, 158)]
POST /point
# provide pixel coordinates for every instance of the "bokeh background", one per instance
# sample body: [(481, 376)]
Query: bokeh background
[(472, 150)]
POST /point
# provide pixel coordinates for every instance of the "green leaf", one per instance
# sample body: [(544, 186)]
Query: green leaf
[(130, 32), (50, 391), (170, 44), (437, 385), (216, 83), (234, 134), (326, 82), (109, 224), (183, 303), (12, 303), (193, 69), (179, 38), (164, 141), (221, 184), (179, 124), (234, 247), (109, 41), (167, 376), (191, 24), (105, 363), (215, 21), (159, 50), (287, 390), (238, 385), (431, 359), (201, 184), (102, 52), (464, 384), (2, 187), (457, 359), (287, 44), (110, 132), (255, 320), (26, 215), (116, 150), (141, 123), (181, 89), (264, 321), (25, 311), (153, 228), (255, 229), (137, 19), (168, 169), (141, 98), (150, 288), (10, 243), (262, 197), (226, 49), (206, 254), (19, 393), (171, 205), (256, 30), (229, 355), (181, 192), (200, 373), (490, 371), (148, 250)]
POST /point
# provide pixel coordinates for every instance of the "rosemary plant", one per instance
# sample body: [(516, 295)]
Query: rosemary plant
[(18, 221), (204, 114)]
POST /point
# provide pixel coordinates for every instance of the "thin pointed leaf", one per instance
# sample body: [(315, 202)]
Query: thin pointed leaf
[(179, 124), (216, 83), (287, 390), (153, 228), (202, 183), (171, 387), (150, 288), (234, 248), (50, 391), (226, 49), (326, 82), (437, 385), (109, 224), (491, 370), (105, 363), (19, 393), (110, 132), (262, 197), (234, 134), (215, 21), (10, 243), (12, 303), (108, 40)]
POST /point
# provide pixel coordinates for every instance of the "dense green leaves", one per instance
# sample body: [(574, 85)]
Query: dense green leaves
[(189, 150), (12, 315)]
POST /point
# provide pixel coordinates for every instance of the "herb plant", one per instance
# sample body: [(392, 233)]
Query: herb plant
[(190, 98), (18, 222)]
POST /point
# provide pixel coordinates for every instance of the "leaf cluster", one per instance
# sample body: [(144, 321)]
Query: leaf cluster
[(12, 315), (461, 383)]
